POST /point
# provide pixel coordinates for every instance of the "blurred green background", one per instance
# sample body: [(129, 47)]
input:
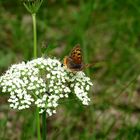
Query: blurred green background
[(109, 34)]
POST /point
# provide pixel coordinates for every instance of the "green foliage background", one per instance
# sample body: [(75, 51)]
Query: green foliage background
[(109, 34)]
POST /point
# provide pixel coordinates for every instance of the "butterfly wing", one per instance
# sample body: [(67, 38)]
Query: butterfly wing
[(76, 55)]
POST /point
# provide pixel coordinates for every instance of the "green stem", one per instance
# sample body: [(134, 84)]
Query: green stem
[(34, 34), (35, 56), (44, 131), (38, 124)]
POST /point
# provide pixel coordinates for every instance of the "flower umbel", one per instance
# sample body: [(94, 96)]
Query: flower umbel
[(42, 82)]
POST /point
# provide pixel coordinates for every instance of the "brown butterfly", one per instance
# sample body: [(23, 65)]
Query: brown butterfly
[(74, 61)]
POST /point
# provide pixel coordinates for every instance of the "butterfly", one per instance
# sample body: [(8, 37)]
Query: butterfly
[(74, 62)]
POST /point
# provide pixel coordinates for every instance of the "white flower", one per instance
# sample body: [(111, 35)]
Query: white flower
[(48, 76), (42, 82), (87, 87)]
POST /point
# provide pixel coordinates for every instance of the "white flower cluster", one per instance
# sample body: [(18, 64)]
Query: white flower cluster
[(42, 82), (81, 85)]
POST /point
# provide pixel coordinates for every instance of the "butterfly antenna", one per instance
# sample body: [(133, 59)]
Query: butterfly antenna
[(89, 65)]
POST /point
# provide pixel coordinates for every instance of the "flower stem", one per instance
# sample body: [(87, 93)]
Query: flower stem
[(35, 56), (34, 34), (38, 124), (44, 126)]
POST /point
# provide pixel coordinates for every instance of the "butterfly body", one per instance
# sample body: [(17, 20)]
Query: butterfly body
[(68, 62), (74, 61)]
